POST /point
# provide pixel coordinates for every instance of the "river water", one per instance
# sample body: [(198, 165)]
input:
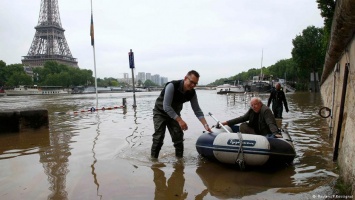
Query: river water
[(106, 154)]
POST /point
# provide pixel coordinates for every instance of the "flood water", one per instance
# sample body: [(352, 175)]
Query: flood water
[(106, 154)]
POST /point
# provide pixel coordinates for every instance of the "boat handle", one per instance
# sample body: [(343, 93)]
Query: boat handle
[(218, 122)]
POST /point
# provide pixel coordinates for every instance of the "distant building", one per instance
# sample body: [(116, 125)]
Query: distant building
[(125, 79), (141, 77), (148, 76), (314, 82), (156, 79), (163, 80)]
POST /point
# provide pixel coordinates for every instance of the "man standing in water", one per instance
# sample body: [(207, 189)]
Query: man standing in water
[(166, 112), (278, 99)]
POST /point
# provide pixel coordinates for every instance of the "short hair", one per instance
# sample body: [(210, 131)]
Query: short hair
[(194, 73), (258, 99)]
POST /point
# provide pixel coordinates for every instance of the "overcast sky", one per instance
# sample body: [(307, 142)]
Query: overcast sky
[(218, 38)]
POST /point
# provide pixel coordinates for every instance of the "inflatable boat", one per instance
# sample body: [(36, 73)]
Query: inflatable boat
[(233, 147)]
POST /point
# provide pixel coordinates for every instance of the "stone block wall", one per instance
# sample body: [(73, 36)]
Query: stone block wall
[(14, 121), (331, 91)]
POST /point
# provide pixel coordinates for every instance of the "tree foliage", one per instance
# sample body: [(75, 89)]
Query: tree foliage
[(308, 52), (139, 83), (149, 83), (279, 70), (19, 78), (51, 74), (327, 8), (307, 48), (106, 82), (285, 68), (12, 75)]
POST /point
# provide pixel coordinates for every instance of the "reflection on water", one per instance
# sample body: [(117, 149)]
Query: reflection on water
[(94, 156), (105, 155), (28, 142), (54, 159), (227, 182), (174, 187)]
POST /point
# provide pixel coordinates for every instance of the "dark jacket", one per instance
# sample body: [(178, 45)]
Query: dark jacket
[(277, 97), (266, 121), (178, 100)]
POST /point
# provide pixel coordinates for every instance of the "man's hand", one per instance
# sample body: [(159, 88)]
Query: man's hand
[(207, 128), (182, 124)]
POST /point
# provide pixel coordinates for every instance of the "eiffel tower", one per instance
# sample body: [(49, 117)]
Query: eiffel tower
[(49, 43)]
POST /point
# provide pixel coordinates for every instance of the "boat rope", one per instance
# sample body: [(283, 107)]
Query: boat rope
[(238, 161)]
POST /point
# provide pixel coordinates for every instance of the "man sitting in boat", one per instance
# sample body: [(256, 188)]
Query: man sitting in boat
[(260, 119)]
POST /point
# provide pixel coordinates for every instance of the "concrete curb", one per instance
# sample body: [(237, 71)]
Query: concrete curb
[(14, 121)]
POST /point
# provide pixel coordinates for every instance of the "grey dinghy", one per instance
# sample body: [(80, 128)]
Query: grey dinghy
[(256, 150)]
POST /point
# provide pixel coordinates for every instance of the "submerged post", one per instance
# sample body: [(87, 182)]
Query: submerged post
[(124, 102), (131, 65)]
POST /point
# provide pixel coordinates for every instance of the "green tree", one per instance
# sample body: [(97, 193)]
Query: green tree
[(107, 82), (19, 78), (54, 74), (86, 77), (59, 79), (11, 75), (327, 8), (282, 68), (55, 68), (308, 51), (114, 83), (2, 63), (123, 84), (149, 83), (2, 73)]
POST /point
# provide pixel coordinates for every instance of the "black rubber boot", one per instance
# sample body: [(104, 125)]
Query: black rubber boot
[(179, 149), (155, 150), (179, 153)]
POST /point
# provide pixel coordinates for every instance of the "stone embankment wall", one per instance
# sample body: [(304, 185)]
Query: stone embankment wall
[(338, 88), (14, 121)]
